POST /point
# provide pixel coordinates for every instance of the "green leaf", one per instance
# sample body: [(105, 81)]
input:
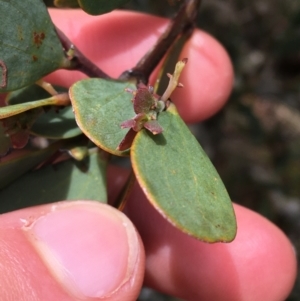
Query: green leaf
[(68, 180), (29, 93), (98, 7), (66, 3), (19, 162), (12, 110), (78, 152), (100, 106), (17, 127), (181, 182), (29, 46), (54, 123), (24, 113)]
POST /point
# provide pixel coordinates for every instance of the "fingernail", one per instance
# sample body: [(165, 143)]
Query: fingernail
[(90, 248)]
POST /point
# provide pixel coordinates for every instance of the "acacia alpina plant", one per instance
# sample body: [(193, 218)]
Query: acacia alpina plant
[(55, 143)]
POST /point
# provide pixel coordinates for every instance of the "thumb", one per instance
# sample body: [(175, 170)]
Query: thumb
[(69, 251)]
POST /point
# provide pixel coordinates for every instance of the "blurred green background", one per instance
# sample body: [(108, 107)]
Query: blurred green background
[(255, 140)]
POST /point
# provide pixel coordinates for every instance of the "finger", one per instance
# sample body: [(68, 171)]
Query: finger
[(258, 265), (117, 41), (69, 251)]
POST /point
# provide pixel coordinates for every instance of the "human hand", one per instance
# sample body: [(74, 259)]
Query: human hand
[(80, 250)]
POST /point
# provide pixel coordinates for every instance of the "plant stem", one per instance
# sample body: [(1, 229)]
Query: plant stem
[(183, 22), (78, 61), (46, 86), (125, 192)]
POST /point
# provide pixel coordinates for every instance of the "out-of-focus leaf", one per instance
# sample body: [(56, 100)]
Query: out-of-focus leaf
[(99, 7), (66, 3), (100, 106), (181, 182), (54, 123), (29, 93), (124, 194), (78, 153), (19, 162), (59, 124), (68, 180), (29, 46), (4, 141), (17, 127), (12, 110)]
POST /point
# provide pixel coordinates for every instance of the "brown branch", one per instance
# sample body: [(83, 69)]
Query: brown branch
[(183, 22), (79, 61), (4, 75)]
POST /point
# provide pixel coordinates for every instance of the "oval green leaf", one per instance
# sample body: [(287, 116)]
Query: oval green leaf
[(29, 46), (9, 111), (180, 181), (98, 7), (100, 106), (68, 180)]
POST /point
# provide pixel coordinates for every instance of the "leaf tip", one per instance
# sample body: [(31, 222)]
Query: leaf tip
[(185, 60)]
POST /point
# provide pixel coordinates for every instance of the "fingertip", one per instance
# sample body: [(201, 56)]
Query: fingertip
[(79, 250), (267, 255)]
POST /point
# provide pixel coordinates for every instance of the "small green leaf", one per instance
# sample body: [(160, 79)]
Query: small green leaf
[(54, 123), (25, 111), (66, 3), (12, 110), (27, 94), (100, 106), (19, 162), (98, 7), (181, 182), (68, 180), (29, 46)]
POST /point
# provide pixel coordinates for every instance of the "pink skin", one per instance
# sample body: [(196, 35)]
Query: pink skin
[(259, 265), (78, 232)]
